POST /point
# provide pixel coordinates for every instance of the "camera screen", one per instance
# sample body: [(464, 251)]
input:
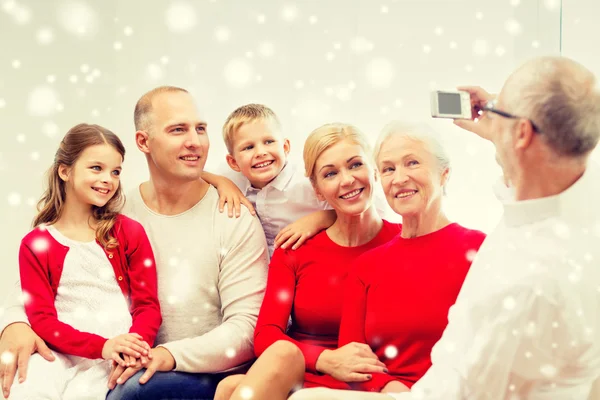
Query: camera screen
[(449, 103)]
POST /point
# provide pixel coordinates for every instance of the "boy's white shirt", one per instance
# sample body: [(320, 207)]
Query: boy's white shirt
[(289, 197)]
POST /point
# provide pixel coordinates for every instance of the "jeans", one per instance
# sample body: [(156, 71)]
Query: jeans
[(168, 386)]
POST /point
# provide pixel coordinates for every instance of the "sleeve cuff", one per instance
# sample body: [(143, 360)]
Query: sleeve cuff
[(171, 348), (143, 334), (98, 346), (311, 360)]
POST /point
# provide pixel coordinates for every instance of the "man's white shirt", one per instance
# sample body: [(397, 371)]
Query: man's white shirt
[(526, 324)]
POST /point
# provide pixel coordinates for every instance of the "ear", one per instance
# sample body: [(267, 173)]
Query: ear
[(141, 140), (524, 134), (317, 192), (232, 163), (445, 177), (63, 172), (286, 146)]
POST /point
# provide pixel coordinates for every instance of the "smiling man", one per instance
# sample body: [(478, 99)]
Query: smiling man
[(211, 268)]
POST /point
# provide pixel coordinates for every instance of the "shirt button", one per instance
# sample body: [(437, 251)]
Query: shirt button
[(110, 255), (120, 278)]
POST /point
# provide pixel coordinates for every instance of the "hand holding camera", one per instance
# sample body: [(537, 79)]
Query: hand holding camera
[(465, 106)]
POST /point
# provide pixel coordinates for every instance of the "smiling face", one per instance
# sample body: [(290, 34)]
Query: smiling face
[(344, 178), (95, 177), (258, 151), (410, 175), (177, 142)]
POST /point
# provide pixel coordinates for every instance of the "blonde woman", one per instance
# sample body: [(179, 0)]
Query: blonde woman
[(398, 296), (307, 283)]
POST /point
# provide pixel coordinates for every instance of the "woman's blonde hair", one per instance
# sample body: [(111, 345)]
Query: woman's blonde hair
[(326, 136), (51, 205)]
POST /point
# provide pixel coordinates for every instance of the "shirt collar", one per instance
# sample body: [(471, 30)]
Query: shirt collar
[(570, 202), (280, 182)]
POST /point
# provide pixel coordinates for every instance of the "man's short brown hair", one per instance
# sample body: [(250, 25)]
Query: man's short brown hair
[(143, 108)]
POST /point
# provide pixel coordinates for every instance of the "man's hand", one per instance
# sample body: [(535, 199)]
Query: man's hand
[(17, 344), (478, 124), (296, 233), (161, 360)]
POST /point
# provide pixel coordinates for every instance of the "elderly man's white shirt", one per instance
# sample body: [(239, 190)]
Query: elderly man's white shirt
[(526, 324)]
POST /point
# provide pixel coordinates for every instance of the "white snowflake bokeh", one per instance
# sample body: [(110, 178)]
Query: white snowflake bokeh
[(7, 358), (222, 34), (78, 61), (360, 45), (230, 353), (180, 17), (289, 12), (391, 351), (20, 13), (238, 73), (513, 27), (78, 18), (380, 73), (14, 199), (43, 101)]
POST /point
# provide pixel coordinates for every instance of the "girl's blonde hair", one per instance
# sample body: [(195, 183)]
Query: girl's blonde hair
[(326, 136), (51, 205)]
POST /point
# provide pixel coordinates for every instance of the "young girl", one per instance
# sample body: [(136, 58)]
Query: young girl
[(87, 273)]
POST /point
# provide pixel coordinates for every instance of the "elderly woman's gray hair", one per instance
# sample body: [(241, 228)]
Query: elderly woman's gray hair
[(562, 98), (418, 132)]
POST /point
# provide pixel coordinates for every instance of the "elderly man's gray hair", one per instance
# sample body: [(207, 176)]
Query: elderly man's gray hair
[(562, 98)]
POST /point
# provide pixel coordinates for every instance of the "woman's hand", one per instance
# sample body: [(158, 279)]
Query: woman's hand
[(17, 343), (354, 362)]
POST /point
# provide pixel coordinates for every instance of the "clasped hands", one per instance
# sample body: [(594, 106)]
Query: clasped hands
[(129, 353)]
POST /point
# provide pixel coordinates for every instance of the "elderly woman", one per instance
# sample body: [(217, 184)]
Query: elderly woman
[(307, 283), (398, 296)]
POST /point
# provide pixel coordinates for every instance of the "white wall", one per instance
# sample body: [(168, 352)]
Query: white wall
[(361, 61), (580, 35), (581, 31)]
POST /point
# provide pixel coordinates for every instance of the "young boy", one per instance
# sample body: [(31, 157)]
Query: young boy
[(277, 189), (282, 196)]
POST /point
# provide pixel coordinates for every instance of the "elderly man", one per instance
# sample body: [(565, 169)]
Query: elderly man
[(211, 268), (526, 322)]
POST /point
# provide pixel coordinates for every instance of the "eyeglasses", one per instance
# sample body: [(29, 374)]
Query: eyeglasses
[(491, 107)]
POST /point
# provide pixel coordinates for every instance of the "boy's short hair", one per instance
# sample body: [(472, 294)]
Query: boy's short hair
[(243, 115)]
